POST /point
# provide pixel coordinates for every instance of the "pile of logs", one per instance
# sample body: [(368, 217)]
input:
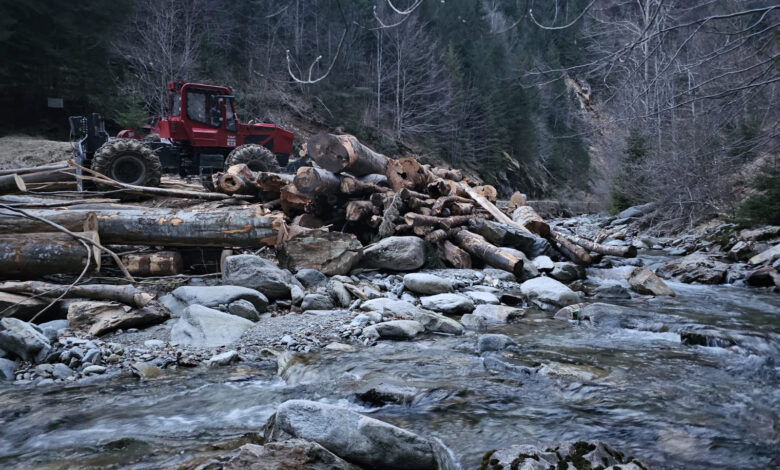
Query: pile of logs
[(349, 189)]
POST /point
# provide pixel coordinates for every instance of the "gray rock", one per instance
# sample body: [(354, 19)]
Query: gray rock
[(766, 256), (23, 340), (427, 284), (223, 359), (498, 274), (396, 253), (636, 211), (643, 280), (296, 295), (93, 370), (92, 356), (480, 298), (332, 253), (145, 370), (364, 441), (244, 309), (529, 270), (543, 263), (612, 290), (493, 342), (311, 277), (286, 455), (436, 323), (257, 273), (695, 268), (547, 293), (7, 369), (449, 304), (473, 322), (496, 314), (566, 272), (213, 296), (594, 454), (316, 302), (394, 329), (61, 371), (339, 293), (98, 318), (201, 326), (390, 307), (53, 329)]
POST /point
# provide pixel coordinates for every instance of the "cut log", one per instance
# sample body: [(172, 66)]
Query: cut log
[(162, 263), (310, 180), (38, 254), (460, 208), (375, 178), (12, 184), (487, 191), (489, 206), (359, 210), (436, 236), (351, 185), (227, 183), (528, 218), (406, 173), (293, 201), (621, 251), (127, 294), (453, 255), (339, 153), (444, 173), (490, 254), (20, 306), (438, 187), (420, 220), (572, 251), (34, 169), (444, 203), (516, 200), (272, 182)]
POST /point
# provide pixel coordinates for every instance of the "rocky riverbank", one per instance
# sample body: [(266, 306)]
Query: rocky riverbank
[(268, 318)]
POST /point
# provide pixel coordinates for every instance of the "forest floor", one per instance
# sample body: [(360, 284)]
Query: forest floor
[(17, 151)]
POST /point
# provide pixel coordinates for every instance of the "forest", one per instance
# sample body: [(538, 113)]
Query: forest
[(616, 102)]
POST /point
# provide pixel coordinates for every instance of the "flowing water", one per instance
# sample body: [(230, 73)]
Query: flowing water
[(629, 382)]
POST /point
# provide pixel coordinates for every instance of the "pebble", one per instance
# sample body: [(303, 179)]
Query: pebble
[(90, 370)]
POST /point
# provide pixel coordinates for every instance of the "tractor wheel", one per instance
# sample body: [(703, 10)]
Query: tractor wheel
[(256, 157), (128, 161)]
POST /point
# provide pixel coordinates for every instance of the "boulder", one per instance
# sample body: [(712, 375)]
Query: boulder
[(493, 342), (204, 327), (479, 297), (473, 322), (763, 277), (358, 439), (529, 270), (695, 268), (396, 253), (298, 454), (496, 314), (98, 318), (390, 307), (244, 309), (636, 211), (223, 359), (741, 251), (53, 329), (212, 296), (763, 233), (543, 263), (643, 280), (7, 369), (548, 293), (449, 304), (394, 329), (257, 273), (611, 290), (331, 253), (426, 284), (316, 302), (311, 277), (23, 340), (566, 272), (766, 256), (339, 293), (436, 323)]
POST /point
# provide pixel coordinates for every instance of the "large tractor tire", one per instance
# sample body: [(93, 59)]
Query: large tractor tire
[(128, 161), (256, 157)]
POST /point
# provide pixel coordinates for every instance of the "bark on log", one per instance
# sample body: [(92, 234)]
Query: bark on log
[(162, 263), (444, 173), (456, 257), (375, 178), (487, 191), (70, 218), (571, 250), (490, 254), (406, 173), (126, 294), (351, 185), (621, 251), (310, 180), (436, 236), (490, 207), (293, 201), (33, 169), (446, 223), (272, 182), (359, 210), (227, 183), (444, 203), (38, 254), (20, 306), (339, 153), (12, 184), (528, 218)]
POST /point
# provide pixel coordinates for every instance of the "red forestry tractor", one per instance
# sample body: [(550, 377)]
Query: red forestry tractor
[(200, 136)]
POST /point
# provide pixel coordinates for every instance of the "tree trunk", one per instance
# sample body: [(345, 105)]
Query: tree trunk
[(293, 201), (406, 173), (456, 257), (34, 169), (490, 254), (272, 182), (488, 192), (444, 173), (420, 220), (310, 180), (38, 254), (489, 206), (352, 185), (12, 184), (528, 218), (572, 251), (620, 251), (126, 294), (339, 153), (162, 263)]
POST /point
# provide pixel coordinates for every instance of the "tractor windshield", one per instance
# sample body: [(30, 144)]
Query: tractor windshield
[(196, 106), (174, 104), (230, 119)]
